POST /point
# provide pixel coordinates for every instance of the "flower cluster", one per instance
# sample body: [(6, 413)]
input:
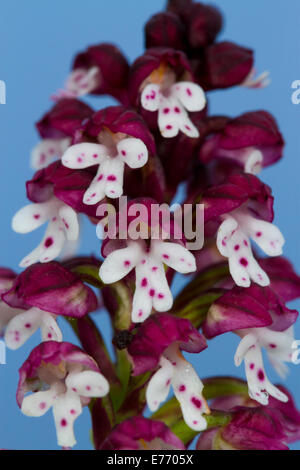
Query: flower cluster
[(158, 136)]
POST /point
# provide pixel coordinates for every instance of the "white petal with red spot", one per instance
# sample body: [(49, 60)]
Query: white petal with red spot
[(233, 243), (159, 386), (162, 298), (25, 324), (47, 150), (114, 175), (21, 327), (133, 152), (32, 216), (150, 97), (120, 262), (49, 328), (69, 218), (38, 403), (168, 119), (190, 95), (144, 292), (151, 288), (174, 255), (278, 344), (109, 178), (88, 383), (84, 155), (279, 347), (266, 235), (188, 388), (176, 371), (81, 82), (63, 225), (172, 106), (66, 408)]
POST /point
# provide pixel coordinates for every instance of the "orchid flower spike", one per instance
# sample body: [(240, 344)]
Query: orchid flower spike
[(159, 342), (61, 377)]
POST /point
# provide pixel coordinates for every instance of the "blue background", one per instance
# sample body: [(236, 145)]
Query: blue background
[(37, 43)]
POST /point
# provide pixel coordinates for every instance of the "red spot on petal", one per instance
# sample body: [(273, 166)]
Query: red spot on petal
[(160, 296), (144, 282), (123, 153), (188, 91), (63, 423), (177, 110), (28, 325), (196, 402), (272, 345), (166, 256), (169, 127), (261, 375), (127, 263), (258, 234), (48, 242), (42, 405), (111, 178), (36, 216), (166, 110), (65, 224), (237, 247), (152, 292), (251, 366), (243, 262), (182, 388)]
